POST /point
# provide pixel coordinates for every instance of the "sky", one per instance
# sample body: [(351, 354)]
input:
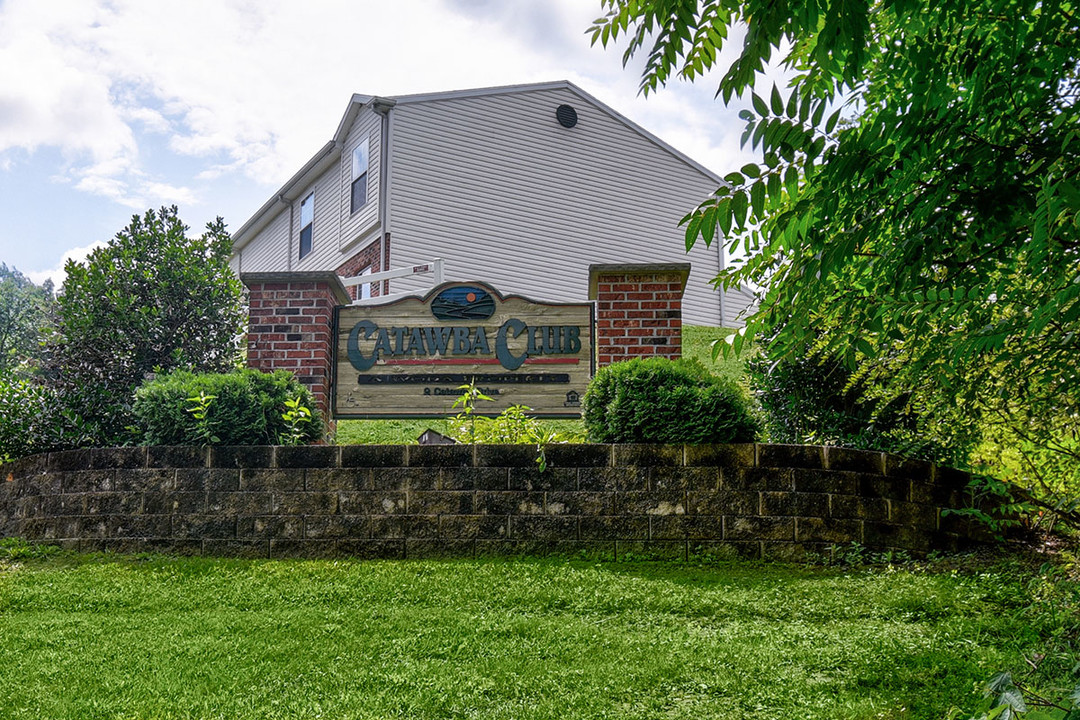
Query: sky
[(111, 107)]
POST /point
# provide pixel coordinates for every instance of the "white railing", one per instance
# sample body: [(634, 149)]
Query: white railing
[(434, 267)]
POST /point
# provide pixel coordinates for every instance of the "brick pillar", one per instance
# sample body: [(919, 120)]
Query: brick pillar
[(639, 310), (289, 327)]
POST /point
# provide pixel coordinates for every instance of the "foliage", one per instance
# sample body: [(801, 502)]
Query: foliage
[(162, 637), (199, 408), (512, 426), (12, 548), (297, 417), (819, 400), (697, 344), (152, 300), (657, 400), (246, 407), (917, 209), (24, 314), (406, 432), (32, 420)]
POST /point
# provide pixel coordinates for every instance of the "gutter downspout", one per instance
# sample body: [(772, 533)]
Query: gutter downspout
[(720, 255), (288, 243), (383, 107)]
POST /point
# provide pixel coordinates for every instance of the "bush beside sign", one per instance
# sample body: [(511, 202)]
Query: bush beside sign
[(408, 357)]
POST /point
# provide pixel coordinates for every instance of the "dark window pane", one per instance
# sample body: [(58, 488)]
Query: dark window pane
[(359, 192), (305, 240)]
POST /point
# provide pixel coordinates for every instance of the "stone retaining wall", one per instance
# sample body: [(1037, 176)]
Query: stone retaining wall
[(760, 501)]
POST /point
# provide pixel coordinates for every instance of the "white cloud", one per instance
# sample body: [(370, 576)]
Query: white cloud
[(181, 101), (57, 274)]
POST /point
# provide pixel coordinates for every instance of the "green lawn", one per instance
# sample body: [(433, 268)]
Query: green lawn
[(109, 637), (697, 343)]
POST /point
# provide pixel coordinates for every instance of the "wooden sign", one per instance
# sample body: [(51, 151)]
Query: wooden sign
[(407, 358)]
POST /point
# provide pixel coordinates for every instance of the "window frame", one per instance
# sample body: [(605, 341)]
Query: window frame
[(309, 226), (363, 292), (360, 179)]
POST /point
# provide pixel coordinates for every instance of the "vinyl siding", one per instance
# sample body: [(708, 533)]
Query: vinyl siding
[(356, 225), (269, 251), (501, 191), (337, 232)]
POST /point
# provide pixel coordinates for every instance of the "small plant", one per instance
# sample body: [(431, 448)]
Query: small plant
[(992, 503), (199, 407), (14, 548), (465, 421), (1004, 699), (512, 426), (296, 417)]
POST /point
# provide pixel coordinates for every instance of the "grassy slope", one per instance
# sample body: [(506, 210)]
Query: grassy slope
[(98, 637), (696, 344)]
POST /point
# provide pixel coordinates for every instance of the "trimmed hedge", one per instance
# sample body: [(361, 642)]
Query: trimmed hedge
[(247, 408), (657, 400)]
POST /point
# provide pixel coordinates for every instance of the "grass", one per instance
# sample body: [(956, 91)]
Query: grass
[(159, 637), (696, 343)]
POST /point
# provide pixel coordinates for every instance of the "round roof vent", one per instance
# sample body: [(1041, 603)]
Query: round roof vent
[(566, 115)]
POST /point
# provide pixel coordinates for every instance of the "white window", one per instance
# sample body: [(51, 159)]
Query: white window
[(365, 289), (359, 176), (307, 222)]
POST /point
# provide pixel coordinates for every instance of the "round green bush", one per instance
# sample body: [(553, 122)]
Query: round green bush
[(246, 409), (657, 400)]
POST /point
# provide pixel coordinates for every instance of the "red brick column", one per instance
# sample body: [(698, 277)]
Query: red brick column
[(639, 310), (289, 327)]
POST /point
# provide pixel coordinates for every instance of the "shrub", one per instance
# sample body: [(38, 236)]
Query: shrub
[(33, 420), (247, 407), (819, 400), (663, 401), (152, 300)]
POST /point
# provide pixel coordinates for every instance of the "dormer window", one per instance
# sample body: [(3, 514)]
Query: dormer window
[(359, 176), (307, 222)]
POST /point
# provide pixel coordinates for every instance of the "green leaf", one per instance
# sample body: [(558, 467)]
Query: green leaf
[(777, 101), (759, 105)]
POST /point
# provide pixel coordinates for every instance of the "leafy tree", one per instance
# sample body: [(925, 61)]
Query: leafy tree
[(153, 300), (24, 315), (917, 209)]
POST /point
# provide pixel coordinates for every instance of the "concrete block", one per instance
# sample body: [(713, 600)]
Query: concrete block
[(684, 478), (307, 456), (177, 456), (613, 478), (580, 503), (337, 479), (440, 456), (791, 456), (759, 528), (401, 479), (372, 456), (864, 461), (272, 479), (646, 455), (242, 456)]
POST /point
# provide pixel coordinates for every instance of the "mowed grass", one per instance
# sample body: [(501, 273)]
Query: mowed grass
[(696, 343), (110, 637)]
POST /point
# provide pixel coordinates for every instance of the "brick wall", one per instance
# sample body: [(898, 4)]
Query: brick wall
[(639, 310), (368, 257), (757, 501), (289, 326)]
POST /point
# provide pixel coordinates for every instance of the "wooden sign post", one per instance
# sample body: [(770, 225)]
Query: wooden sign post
[(408, 358)]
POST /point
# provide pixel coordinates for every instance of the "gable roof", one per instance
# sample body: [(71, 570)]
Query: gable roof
[(330, 153)]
